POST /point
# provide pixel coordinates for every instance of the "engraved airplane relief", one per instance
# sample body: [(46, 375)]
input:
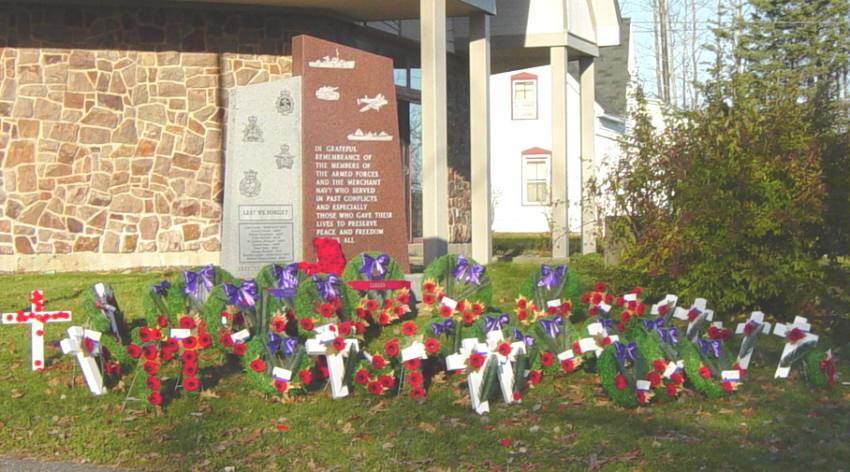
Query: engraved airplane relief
[(375, 103)]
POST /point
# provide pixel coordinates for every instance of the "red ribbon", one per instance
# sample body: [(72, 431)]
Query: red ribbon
[(364, 285)]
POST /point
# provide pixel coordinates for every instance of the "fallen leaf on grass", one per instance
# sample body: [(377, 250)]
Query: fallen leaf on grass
[(748, 412), (428, 427), (209, 394)]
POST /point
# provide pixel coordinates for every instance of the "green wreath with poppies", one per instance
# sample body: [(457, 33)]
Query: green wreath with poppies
[(440, 272)]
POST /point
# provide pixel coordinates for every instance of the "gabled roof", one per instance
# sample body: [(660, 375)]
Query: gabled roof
[(536, 151)]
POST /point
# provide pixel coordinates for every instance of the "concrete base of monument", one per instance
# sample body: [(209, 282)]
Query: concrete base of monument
[(89, 261), (415, 285)]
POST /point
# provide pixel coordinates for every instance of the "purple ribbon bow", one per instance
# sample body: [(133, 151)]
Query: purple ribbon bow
[(244, 296), (287, 278), (161, 289), (464, 272), (551, 277), (446, 327), (200, 283), (374, 268), (495, 322), (285, 345), (625, 352), (607, 323), (327, 287), (669, 335), (707, 347), (528, 340), (551, 326)]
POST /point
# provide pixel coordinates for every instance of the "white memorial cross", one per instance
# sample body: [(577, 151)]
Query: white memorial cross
[(318, 346), (75, 344), (36, 318), (476, 376), (754, 326), (791, 346), (592, 344), (670, 301), (696, 316), (505, 364)]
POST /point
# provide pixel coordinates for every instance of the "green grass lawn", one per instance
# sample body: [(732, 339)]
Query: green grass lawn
[(565, 423)]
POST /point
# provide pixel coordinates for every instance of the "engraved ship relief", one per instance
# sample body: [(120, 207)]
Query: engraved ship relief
[(335, 62), (250, 185), (285, 104), (359, 135), (328, 93), (284, 159), (375, 103), (252, 132)]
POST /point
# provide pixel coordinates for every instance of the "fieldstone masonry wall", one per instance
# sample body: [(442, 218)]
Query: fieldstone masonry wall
[(111, 127)]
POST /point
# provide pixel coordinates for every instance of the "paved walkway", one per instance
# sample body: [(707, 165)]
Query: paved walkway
[(28, 465)]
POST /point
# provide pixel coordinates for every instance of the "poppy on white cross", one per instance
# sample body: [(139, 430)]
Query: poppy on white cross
[(318, 346), (697, 317), (797, 335), (754, 326), (85, 344), (36, 317)]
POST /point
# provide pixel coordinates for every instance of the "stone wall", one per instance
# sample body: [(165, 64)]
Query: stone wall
[(111, 125)]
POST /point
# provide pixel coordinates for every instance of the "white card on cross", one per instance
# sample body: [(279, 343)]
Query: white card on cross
[(282, 374), (314, 347), (449, 302), (643, 385), (456, 361), (467, 345), (596, 329), (240, 336), (566, 355), (554, 304), (414, 351), (182, 333), (731, 375)]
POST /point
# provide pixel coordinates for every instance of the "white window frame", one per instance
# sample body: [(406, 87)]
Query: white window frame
[(524, 108), (547, 160)]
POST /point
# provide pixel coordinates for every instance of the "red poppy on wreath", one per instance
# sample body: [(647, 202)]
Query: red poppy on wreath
[(258, 365), (468, 318), (641, 398), (155, 399), (476, 360), (412, 364), (190, 369), (170, 345), (620, 382), (338, 344), (161, 321), (187, 322), (429, 286), (445, 311), (204, 340), (535, 377), (624, 317), (408, 328), (134, 351), (387, 381), (281, 385), (327, 310), (375, 388), (605, 341), (191, 384), (567, 365), (547, 359), (677, 378), (704, 372), (371, 305), (716, 333), (671, 389), (344, 328), (224, 338), (190, 343), (166, 355), (239, 349), (415, 378), (152, 383), (306, 377), (360, 328), (432, 346), (693, 314), (517, 396), (306, 324), (378, 362), (361, 377), (278, 324), (728, 387), (521, 315), (576, 348), (428, 299), (620, 326), (149, 352), (663, 309), (654, 379), (504, 349), (391, 347), (189, 357), (477, 309), (417, 393), (384, 319), (659, 365), (151, 367)]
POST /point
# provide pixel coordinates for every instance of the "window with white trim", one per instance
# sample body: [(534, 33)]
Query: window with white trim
[(536, 176), (524, 99)]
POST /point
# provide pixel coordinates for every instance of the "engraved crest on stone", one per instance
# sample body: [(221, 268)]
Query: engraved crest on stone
[(284, 159), (285, 103), (250, 185), (252, 132)]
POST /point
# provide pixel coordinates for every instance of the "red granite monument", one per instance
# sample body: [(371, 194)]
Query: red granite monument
[(352, 182)]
